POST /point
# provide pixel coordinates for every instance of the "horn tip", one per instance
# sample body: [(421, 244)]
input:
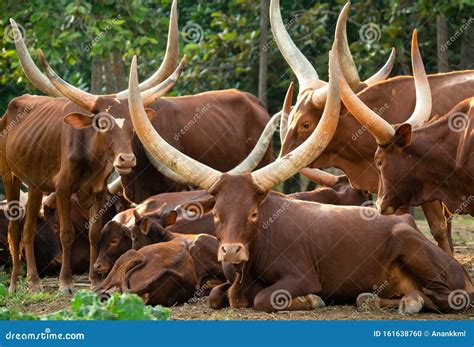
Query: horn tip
[(12, 21)]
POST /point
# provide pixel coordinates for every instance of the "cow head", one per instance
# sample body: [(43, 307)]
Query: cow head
[(305, 115), (236, 198), (114, 241), (394, 158), (151, 229), (109, 116)]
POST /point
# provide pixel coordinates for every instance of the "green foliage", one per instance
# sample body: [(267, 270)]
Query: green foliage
[(87, 305), (225, 53)]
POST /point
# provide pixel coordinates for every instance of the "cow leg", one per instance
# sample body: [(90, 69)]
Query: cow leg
[(35, 197), (288, 295), (218, 297), (411, 303), (12, 190), (95, 225), (367, 302), (434, 214), (66, 235)]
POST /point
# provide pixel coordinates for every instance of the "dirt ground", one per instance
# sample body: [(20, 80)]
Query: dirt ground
[(463, 235)]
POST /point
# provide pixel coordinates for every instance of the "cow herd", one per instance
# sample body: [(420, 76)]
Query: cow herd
[(170, 197)]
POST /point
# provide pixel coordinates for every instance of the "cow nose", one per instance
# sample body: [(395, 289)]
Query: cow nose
[(98, 267), (126, 158), (232, 253)]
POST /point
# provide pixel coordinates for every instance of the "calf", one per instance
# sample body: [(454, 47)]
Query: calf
[(168, 273)]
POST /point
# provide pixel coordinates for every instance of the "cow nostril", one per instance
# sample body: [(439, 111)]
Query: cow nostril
[(224, 250), (237, 249)]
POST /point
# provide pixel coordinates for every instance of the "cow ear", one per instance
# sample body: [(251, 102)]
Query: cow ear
[(78, 120), (137, 216), (150, 113), (169, 219), (402, 135), (145, 225)]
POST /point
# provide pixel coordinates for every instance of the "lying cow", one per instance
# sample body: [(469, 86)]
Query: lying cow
[(168, 273), (307, 251)]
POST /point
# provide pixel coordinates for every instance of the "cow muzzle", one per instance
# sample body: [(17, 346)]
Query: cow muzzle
[(100, 267), (234, 253), (384, 208), (124, 163)]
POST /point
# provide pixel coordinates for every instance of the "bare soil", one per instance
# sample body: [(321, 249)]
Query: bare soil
[(463, 235)]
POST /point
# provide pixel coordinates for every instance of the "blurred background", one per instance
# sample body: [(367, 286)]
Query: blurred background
[(228, 43)]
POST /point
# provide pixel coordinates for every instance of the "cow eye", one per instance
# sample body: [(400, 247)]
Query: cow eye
[(254, 216), (306, 125), (378, 163)]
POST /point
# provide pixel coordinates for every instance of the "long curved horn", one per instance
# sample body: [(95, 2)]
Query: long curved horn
[(171, 56), (79, 97), (193, 171), (319, 177), (304, 71), (115, 186), (385, 71), (377, 126), (286, 166), (36, 77), (151, 95), (164, 170), (285, 112), (422, 111), (346, 62), (257, 153)]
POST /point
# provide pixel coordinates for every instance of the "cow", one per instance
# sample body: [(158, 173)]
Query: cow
[(46, 245), (191, 124), (168, 273), (423, 159), (74, 143), (280, 245), (352, 149)]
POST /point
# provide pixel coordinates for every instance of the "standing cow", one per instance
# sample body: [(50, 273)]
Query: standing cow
[(420, 162)]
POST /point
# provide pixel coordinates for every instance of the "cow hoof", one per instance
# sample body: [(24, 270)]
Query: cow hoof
[(12, 288), (66, 290), (410, 305), (315, 301), (35, 287), (368, 302)]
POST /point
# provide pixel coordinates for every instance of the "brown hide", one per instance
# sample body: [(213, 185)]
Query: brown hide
[(281, 244), (352, 147), (168, 273), (218, 128), (432, 162), (340, 194)]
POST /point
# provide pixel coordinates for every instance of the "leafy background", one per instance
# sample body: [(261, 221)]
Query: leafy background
[(90, 44)]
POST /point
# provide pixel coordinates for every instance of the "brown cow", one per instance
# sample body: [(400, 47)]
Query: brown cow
[(433, 161), (334, 190), (352, 149), (299, 249), (168, 273), (74, 145)]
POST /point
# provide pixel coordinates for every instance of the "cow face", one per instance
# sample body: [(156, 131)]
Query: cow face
[(235, 206), (395, 163), (114, 130), (149, 230), (303, 119), (114, 241)]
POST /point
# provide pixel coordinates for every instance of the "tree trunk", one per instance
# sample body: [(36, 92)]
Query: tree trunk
[(118, 70), (442, 38), (108, 75), (96, 75), (467, 47), (263, 64)]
